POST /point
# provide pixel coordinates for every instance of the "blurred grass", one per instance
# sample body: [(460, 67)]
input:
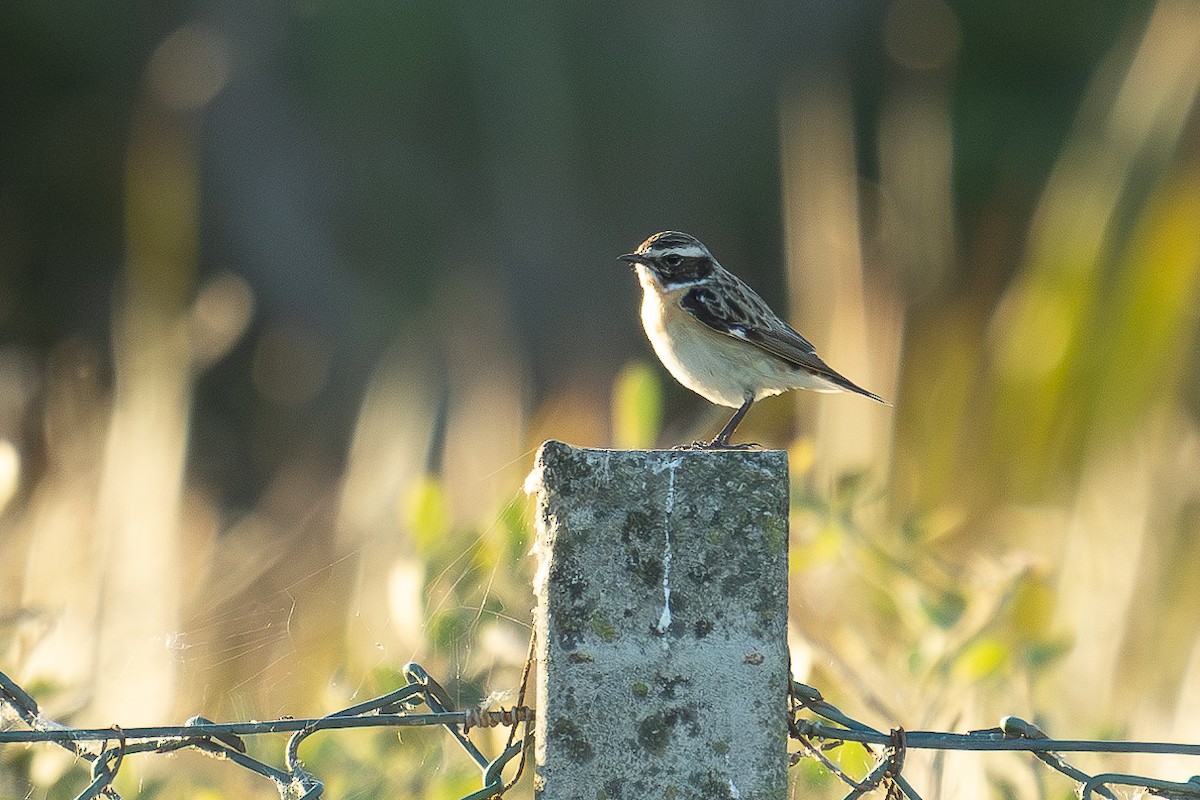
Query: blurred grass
[(1018, 535)]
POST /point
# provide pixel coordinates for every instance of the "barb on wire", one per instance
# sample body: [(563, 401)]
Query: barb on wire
[(1186, 790), (1013, 734), (802, 696), (106, 748)]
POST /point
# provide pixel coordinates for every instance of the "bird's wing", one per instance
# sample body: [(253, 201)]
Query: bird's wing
[(742, 314)]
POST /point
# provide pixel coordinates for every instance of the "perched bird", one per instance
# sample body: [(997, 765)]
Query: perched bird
[(716, 336)]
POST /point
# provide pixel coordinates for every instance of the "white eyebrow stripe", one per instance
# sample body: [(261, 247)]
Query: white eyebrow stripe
[(686, 250)]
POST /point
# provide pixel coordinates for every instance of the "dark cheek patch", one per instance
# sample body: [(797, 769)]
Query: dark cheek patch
[(690, 270)]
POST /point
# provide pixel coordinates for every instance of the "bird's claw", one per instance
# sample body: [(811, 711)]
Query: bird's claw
[(716, 445), (738, 446)]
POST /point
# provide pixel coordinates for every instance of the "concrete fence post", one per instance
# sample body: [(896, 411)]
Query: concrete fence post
[(661, 624)]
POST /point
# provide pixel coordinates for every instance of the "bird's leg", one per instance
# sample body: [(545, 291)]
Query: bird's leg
[(722, 439)]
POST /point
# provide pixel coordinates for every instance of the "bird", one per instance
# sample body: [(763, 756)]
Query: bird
[(717, 337)]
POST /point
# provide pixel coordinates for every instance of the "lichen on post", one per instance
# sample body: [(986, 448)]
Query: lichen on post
[(661, 623)]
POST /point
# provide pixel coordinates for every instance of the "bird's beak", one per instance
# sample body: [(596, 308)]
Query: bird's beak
[(631, 258)]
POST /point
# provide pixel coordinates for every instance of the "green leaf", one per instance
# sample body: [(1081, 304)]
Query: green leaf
[(426, 513), (1045, 653), (983, 658), (945, 609)]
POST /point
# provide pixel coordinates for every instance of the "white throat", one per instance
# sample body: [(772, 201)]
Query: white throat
[(648, 279)]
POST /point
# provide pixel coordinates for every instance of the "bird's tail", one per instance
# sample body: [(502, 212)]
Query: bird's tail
[(848, 385)]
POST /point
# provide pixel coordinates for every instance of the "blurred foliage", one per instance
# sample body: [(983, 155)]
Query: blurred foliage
[(637, 407), (289, 295)]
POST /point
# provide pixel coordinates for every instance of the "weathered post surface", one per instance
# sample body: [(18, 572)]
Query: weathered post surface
[(661, 624)]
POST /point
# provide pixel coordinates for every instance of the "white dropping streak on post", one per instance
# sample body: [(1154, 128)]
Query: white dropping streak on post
[(664, 619)]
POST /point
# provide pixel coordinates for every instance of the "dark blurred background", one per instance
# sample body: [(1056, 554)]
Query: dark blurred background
[(363, 165), (289, 292)]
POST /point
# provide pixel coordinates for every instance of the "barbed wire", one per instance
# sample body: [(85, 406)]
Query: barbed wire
[(825, 728), (224, 740), (1013, 734)]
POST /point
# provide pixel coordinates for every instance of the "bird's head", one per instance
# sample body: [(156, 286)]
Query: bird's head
[(673, 259)]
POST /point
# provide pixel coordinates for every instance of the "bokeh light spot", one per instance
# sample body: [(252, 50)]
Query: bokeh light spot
[(189, 68)]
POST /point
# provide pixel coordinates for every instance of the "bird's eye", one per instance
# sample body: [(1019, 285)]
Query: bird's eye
[(673, 260)]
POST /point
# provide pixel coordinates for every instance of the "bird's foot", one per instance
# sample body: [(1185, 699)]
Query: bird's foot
[(738, 446), (717, 444)]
